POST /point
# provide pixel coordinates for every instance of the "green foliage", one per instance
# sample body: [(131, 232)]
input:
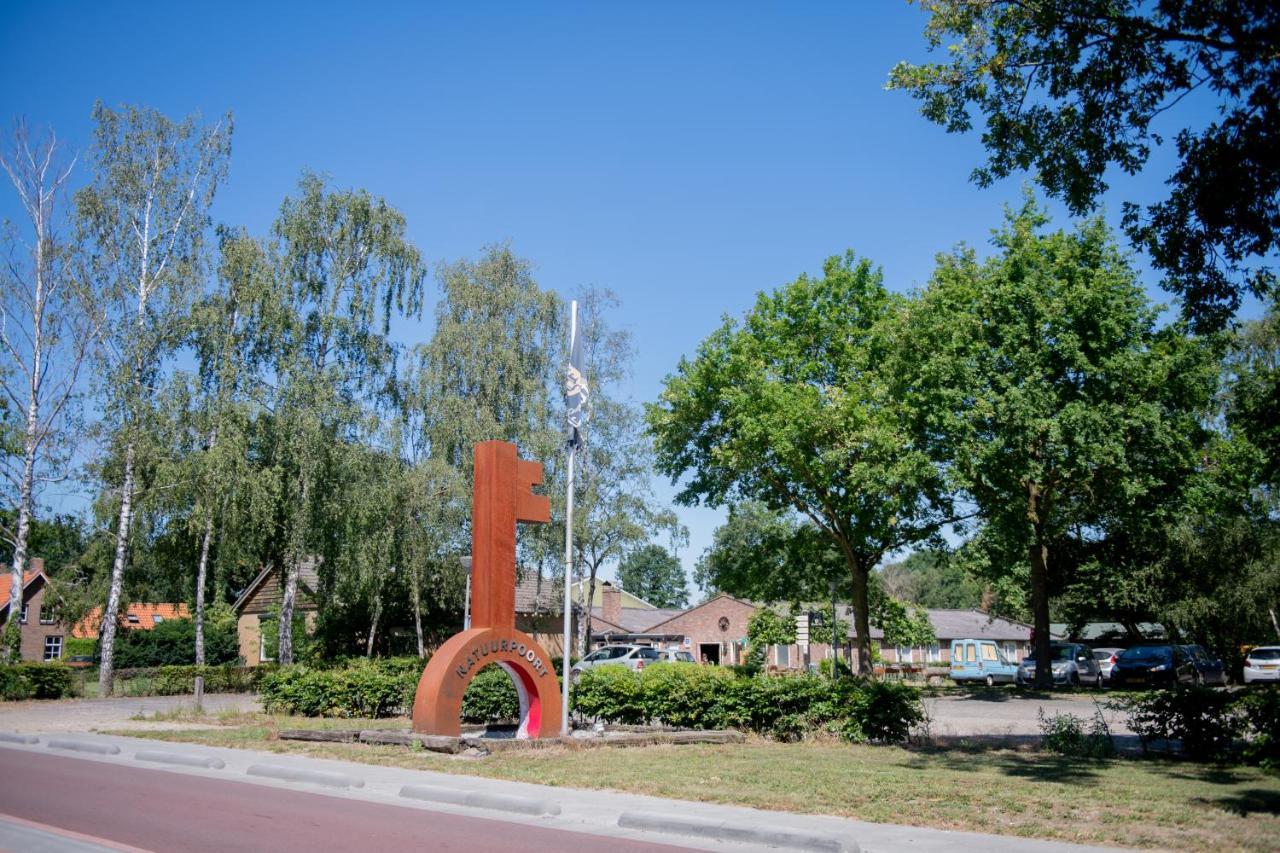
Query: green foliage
[(902, 627), (1070, 90), (765, 628), (1065, 734), (654, 574), (491, 697), (363, 688), (29, 680), (797, 408), (79, 646), (173, 642), (1206, 721), (784, 706), (180, 680), (1260, 709), (932, 578)]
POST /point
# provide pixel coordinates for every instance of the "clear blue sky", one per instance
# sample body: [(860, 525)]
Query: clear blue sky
[(684, 155)]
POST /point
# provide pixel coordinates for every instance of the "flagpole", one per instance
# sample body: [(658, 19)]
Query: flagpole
[(568, 554)]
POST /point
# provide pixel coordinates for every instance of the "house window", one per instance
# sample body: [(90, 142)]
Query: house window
[(935, 653), (53, 648), (783, 654), (132, 619), (157, 618), (47, 617), (904, 654), (22, 617), (1010, 650)]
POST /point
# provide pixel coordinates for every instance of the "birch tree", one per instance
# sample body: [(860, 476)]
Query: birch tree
[(47, 328), (345, 266), (143, 219)]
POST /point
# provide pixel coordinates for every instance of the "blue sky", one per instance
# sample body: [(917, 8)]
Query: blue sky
[(686, 156)]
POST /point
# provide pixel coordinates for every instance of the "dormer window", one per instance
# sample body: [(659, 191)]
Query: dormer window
[(133, 619), (157, 618)]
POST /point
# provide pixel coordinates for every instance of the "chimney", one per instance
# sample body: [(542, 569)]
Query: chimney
[(611, 597), (35, 564)]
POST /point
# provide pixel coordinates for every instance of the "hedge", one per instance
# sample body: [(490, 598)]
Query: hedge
[(1210, 725), (785, 706), (29, 680), (181, 680)]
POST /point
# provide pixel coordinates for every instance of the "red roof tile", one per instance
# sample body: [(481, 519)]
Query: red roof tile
[(137, 616)]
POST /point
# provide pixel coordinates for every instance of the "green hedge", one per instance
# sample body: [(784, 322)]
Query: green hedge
[(1211, 725), (28, 680), (377, 688), (785, 706), (491, 697), (181, 680)]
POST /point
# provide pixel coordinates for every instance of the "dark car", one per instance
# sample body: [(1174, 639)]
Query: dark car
[(1209, 670), (1153, 665)]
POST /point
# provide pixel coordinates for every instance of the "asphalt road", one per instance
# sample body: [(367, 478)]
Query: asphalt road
[(1005, 712), (160, 811)]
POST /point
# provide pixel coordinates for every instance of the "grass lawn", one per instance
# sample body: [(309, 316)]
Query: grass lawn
[(1130, 802)]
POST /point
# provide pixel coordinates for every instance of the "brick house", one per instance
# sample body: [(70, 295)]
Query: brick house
[(42, 634), (260, 602), (714, 631)]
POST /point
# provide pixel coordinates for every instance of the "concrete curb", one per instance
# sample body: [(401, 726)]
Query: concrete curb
[(13, 737), (314, 777), (481, 800), (180, 758), (723, 831), (84, 746)]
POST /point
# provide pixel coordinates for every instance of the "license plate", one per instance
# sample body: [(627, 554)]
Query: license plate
[(1267, 666)]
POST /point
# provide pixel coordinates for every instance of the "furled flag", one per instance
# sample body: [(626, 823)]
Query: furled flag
[(576, 392)]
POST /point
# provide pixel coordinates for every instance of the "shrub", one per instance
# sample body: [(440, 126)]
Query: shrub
[(181, 680), (491, 697), (29, 680), (881, 711), (173, 642), (611, 692), (1065, 734), (79, 646), (684, 695), (1206, 721), (362, 689), (1260, 713)]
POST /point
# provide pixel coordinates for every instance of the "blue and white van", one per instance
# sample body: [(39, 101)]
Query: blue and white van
[(981, 660)]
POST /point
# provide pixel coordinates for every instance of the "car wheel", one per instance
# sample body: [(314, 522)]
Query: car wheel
[(991, 681), (1075, 679), (1098, 683)]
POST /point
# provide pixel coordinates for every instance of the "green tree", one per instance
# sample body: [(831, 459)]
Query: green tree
[(1072, 88), (344, 267), (794, 408), (1253, 388), (142, 220), (654, 574), (932, 578), (1057, 404), (766, 628), (765, 555)]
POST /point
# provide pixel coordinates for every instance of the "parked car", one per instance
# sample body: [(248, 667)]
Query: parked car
[(1262, 664), (677, 656), (634, 657), (1106, 659), (1209, 670), (1072, 664), (1153, 665), (980, 660)]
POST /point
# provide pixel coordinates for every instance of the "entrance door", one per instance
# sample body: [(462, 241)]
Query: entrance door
[(709, 653)]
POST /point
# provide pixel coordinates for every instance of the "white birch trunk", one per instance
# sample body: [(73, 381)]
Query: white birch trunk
[(287, 600), (201, 573), (117, 575)]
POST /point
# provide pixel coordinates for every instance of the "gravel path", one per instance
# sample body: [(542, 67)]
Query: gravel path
[(84, 715)]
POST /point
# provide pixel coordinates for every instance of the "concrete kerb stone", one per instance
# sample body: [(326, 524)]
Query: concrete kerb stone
[(726, 832), (482, 800), (180, 758), (84, 746), (312, 777), (14, 737)]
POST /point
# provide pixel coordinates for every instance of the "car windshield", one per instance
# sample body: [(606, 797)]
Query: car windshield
[(1264, 654), (1147, 654), (1101, 654)]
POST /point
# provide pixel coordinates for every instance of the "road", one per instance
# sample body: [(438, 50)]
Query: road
[(118, 712), (1009, 713), (159, 811)]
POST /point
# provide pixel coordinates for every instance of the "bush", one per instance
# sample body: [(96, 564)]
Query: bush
[(181, 680), (491, 697), (684, 695), (29, 680), (1206, 721), (173, 642), (79, 647), (1260, 712), (882, 711), (611, 692), (1065, 735), (363, 689)]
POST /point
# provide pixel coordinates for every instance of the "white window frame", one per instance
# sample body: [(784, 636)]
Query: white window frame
[(935, 653), (22, 616), (782, 655), (57, 647), (47, 617), (909, 657)]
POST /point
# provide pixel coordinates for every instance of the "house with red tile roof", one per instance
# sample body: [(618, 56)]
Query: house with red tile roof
[(42, 635)]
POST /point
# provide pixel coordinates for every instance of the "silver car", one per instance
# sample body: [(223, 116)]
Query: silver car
[(677, 656), (1106, 659), (1072, 664), (634, 657)]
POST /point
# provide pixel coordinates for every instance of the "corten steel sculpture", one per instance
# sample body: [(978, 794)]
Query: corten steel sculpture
[(502, 498)]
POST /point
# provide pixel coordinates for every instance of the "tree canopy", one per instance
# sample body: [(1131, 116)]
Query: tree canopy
[(1071, 89), (654, 574)]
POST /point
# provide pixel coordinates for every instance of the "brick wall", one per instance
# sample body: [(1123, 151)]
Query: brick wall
[(703, 625)]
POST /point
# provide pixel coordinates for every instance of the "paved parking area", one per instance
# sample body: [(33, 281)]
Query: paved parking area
[(997, 713)]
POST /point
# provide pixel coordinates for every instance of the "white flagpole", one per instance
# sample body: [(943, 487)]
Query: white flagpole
[(565, 648)]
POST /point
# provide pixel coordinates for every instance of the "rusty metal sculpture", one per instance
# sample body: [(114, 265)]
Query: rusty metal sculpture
[(502, 498)]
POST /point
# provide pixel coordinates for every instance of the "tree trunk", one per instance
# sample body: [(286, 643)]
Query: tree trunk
[(1039, 556), (417, 612), (108, 642), (201, 573), (18, 569), (861, 618), (285, 654), (373, 626), (586, 612)]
